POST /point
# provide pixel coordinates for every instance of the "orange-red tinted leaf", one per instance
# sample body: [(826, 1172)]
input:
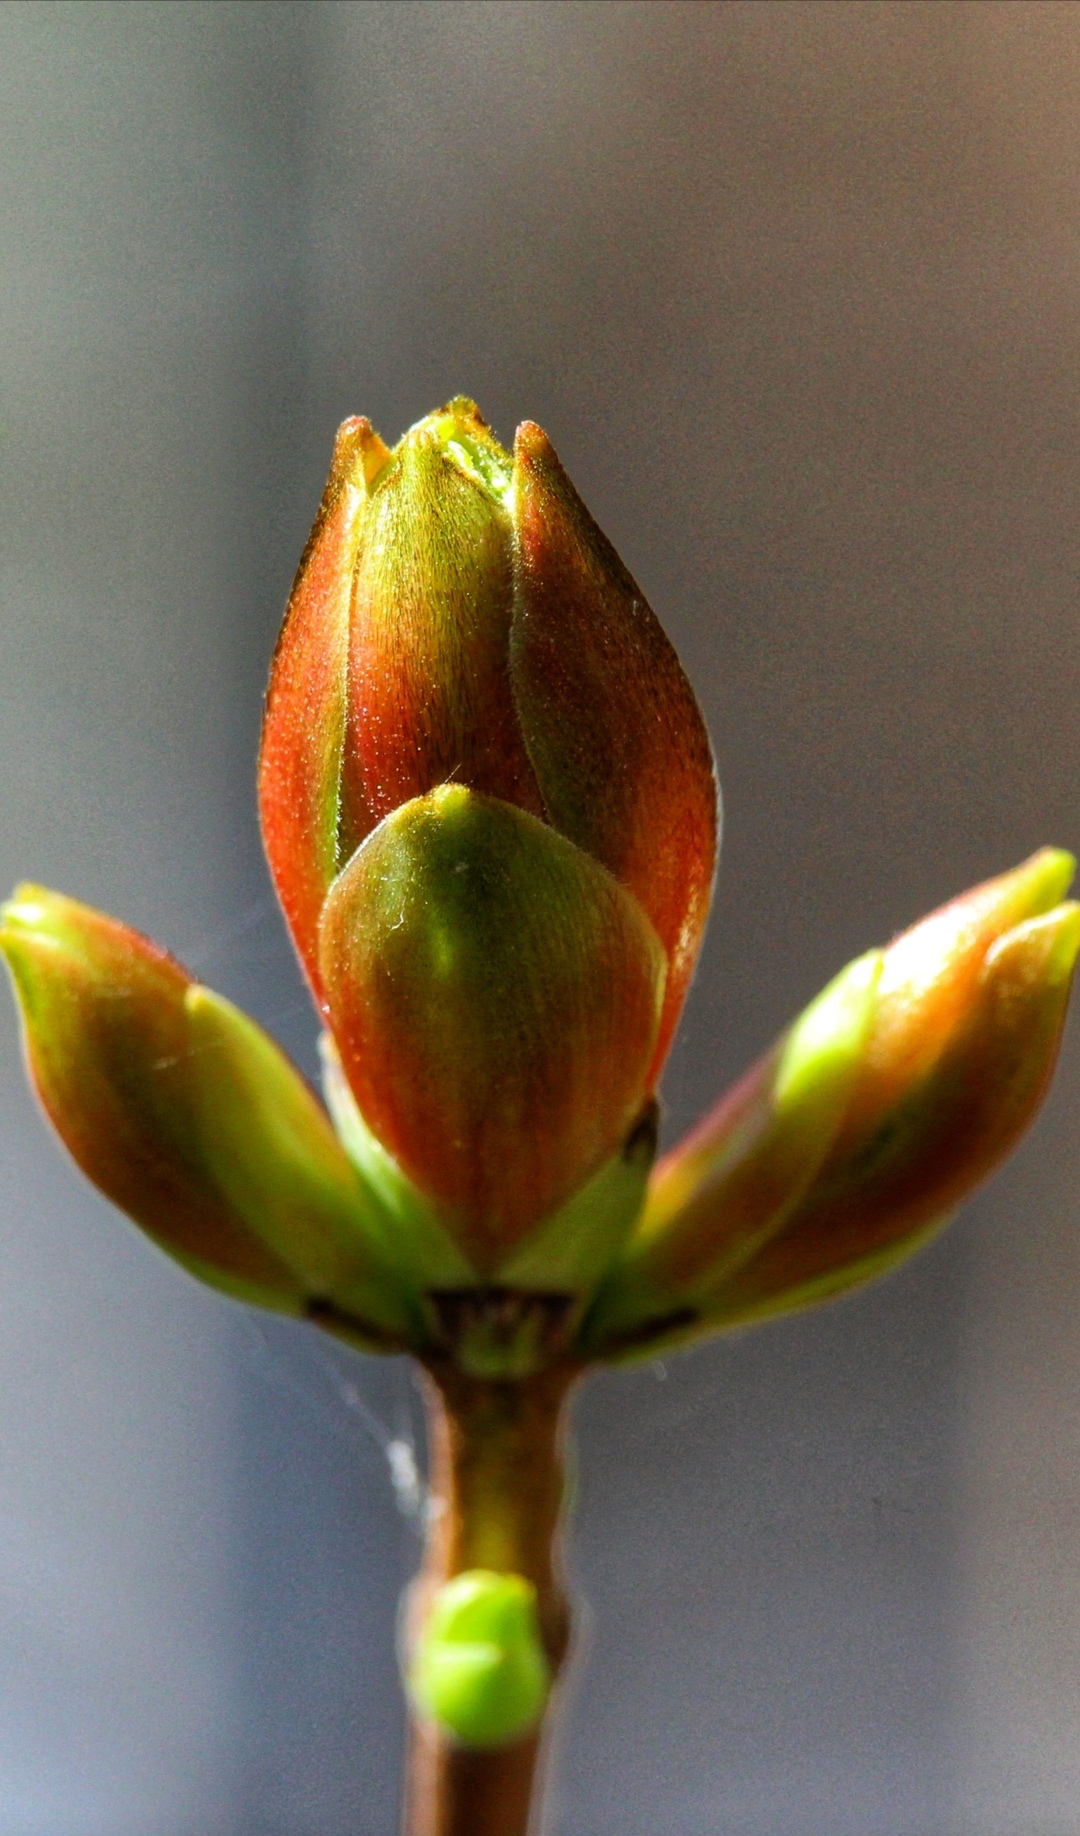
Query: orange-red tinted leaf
[(494, 995), (304, 728), (614, 733)]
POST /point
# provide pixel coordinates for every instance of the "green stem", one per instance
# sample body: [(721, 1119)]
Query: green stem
[(497, 1487)]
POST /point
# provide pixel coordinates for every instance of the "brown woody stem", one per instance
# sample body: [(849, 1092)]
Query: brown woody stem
[(495, 1452)]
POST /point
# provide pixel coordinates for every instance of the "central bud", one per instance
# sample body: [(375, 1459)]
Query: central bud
[(489, 808)]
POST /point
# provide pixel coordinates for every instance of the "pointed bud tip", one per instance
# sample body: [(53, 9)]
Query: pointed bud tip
[(531, 444), (36, 923), (460, 415), (459, 433), (463, 408), (1041, 950), (949, 946), (29, 908), (201, 1002), (1046, 877), (359, 452)]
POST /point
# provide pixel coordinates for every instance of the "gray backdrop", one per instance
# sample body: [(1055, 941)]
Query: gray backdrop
[(796, 291)]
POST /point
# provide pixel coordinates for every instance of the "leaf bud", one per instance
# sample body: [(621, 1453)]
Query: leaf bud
[(459, 618), (479, 1670), (915, 1089), (189, 1118), (494, 995)]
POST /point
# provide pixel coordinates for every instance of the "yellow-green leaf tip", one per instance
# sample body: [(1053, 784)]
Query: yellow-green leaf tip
[(830, 1033), (26, 908), (1048, 876), (480, 1671)]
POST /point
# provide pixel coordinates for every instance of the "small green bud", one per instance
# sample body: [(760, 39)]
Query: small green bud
[(480, 1671)]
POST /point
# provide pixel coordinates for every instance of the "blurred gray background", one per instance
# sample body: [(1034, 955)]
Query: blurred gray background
[(796, 291)]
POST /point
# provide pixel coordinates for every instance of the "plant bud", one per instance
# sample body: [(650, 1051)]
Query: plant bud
[(494, 995), (458, 618), (186, 1115), (782, 1198), (490, 812), (479, 1670)]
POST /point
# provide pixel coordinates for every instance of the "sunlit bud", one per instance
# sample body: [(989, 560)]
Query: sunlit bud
[(458, 617), (479, 1670), (304, 733), (190, 1118), (494, 995), (963, 1031), (615, 736)]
